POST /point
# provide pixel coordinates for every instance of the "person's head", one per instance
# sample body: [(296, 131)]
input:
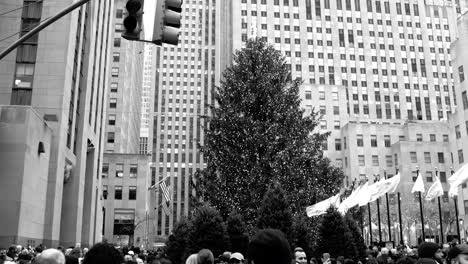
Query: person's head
[(51, 256), (340, 260), (236, 258), (349, 261), (192, 259), (269, 246), (139, 261), (300, 256), (76, 252), (325, 257), (71, 260), (428, 250), (225, 257), (458, 254), (313, 261), (384, 251), (103, 253), (205, 256)]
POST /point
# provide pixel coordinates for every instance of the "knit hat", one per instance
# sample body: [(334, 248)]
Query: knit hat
[(427, 249)]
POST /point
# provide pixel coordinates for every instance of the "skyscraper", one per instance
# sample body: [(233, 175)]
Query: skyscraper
[(60, 73)]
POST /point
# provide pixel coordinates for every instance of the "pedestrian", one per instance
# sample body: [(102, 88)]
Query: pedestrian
[(51, 256), (205, 256), (269, 246), (236, 258), (103, 253), (428, 252), (192, 259), (300, 256)]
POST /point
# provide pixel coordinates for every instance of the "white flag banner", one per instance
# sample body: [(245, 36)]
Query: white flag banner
[(418, 185), (365, 194), (435, 190), (459, 177), (349, 202), (322, 207)]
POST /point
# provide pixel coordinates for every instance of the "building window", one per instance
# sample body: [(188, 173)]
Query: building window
[(445, 138), (337, 144), (112, 103), (360, 141), (432, 137), (104, 192), (465, 100), (115, 71), (361, 160), (457, 132), (119, 13), (132, 191), (414, 157), (110, 137), (114, 87), (373, 140), (119, 170), (461, 160), (117, 42), (443, 176), (375, 160), (461, 74), (429, 176), (116, 56), (118, 27), (419, 137), (465, 203), (427, 157), (133, 171), (387, 141), (105, 170), (118, 193), (440, 157), (389, 160), (111, 120)]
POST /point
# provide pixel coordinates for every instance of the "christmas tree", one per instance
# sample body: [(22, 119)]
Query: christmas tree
[(208, 231), (176, 247), (238, 238), (257, 135), (335, 237), (357, 238)]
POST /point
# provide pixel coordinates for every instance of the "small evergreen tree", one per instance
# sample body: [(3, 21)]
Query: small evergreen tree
[(208, 231), (178, 241), (335, 237), (238, 237), (301, 234), (274, 211), (357, 237)]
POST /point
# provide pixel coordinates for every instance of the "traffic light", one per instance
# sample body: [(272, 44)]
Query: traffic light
[(134, 20), (167, 22)]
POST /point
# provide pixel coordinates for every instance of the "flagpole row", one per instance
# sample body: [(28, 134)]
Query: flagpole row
[(388, 211), (376, 178), (370, 222), (401, 222), (421, 208), (456, 211)]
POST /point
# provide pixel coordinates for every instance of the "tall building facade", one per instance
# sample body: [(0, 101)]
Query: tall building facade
[(459, 120), (124, 172), (147, 98), (60, 73), (185, 75)]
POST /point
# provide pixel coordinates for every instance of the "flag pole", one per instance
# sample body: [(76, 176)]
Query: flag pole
[(440, 212), (388, 211), (370, 219), (456, 212), (399, 215), (421, 210), (378, 214)]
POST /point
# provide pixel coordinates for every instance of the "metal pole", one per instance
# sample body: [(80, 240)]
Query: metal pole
[(362, 220), (440, 212), (40, 27), (399, 218), (370, 223), (388, 212), (455, 198), (378, 216)]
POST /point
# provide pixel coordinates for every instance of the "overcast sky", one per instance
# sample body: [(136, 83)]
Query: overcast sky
[(148, 18)]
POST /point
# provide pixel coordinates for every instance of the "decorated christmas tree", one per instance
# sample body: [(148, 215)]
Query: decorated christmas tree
[(258, 134), (357, 237), (238, 237)]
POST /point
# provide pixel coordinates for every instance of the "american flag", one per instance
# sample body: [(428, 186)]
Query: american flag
[(166, 208), (165, 191)]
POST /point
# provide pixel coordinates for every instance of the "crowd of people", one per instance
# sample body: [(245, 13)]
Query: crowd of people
[(269, 246)]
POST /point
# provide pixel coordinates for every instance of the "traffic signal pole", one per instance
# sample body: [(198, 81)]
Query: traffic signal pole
[(41, 26)]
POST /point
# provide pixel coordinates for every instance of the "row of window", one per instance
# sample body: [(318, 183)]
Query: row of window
[(132, 192), (389, 159), (119, 168)]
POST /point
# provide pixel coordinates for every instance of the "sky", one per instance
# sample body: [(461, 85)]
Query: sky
[(148, 18)]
